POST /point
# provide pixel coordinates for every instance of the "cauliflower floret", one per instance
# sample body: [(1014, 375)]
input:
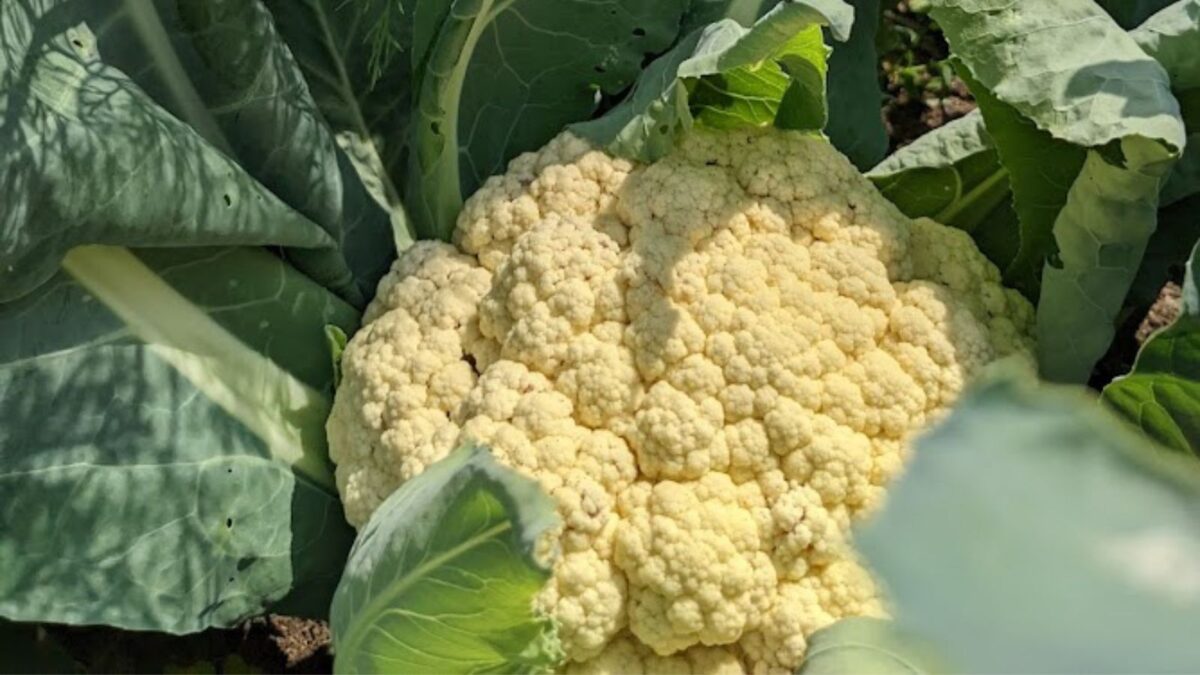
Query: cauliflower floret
[(627, 656), (697, 568), (713, 364)]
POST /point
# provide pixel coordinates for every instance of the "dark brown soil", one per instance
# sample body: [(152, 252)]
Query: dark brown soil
[(272, 644), (922, 92), (303, 642)]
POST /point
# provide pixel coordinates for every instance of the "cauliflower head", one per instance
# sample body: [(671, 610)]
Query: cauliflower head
[(713, 363)]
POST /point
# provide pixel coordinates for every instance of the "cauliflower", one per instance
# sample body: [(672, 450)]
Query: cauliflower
[(713, 364)]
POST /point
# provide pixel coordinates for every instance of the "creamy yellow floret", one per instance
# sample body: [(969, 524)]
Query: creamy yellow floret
[(713, 364)]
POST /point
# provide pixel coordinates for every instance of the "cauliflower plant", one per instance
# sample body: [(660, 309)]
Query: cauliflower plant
[(713, 363)]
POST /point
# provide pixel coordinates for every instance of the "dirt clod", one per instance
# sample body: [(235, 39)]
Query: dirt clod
[(1162, 313), (300, 640)]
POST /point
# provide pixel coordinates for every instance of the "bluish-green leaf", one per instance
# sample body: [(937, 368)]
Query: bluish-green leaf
[(499, 77), (953, 175), (87, 157), (1162, 393), (1171, 37), (443, 576), (166, 123), (773, 71), (168, 399), (368, 109), (855, 101), (1034, 532), (162, 454), (1087, 128)]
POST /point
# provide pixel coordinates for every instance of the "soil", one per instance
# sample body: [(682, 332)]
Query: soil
[(1163, 313), (271, 644), (922, 92)]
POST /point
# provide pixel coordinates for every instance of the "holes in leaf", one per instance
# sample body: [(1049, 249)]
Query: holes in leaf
[(639, 32), (664, 129), (229, 523), (599, 69), (243, 563), (436, 128), (82, 41), (229, 470), (228, 200)]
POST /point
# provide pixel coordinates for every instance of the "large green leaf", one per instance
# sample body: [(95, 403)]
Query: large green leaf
[(443, 576), (162, 444), (865, 646), (772, 72), (1087, 128), (1033, 532), (88, 157), (1162, 394), (162, 402), (498, 77), (122, 117), (954, 176)]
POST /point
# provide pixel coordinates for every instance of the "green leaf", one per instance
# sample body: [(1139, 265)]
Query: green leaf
[(336, 338), (257, 96), (123, 116), (739, 76), (1171, 37), (1033, 532), (866, 646), (170, 405), (443, 576), (1102, 234), (88, 157), (1088, 130), (367, 108), (499, 77), (855, 101), (953, 175), (745, 12), (1162, 394), (855, 123), (168, 395)]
